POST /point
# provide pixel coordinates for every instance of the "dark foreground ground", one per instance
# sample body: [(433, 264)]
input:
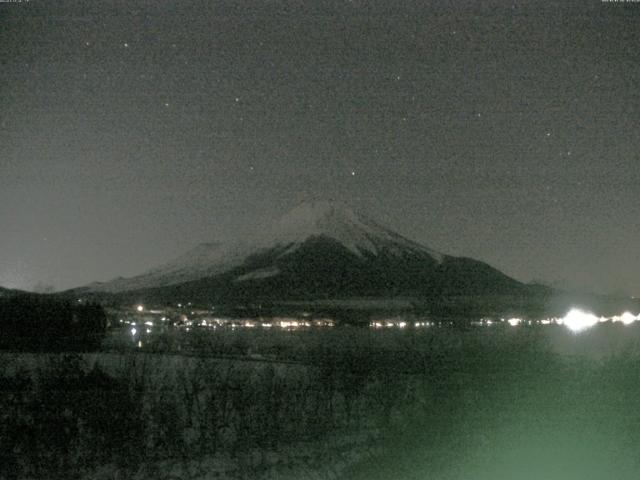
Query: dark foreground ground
[(559, 419), (502, 403)]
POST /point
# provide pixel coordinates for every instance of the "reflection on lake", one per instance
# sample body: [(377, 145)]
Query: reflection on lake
[(578, 333)]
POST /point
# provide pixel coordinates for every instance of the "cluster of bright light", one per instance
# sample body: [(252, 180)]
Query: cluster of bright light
[(423, 324), (626, 318), (387, 324), (578, 320), (288, 324), (282, 322), (575, 320), (394, 323)]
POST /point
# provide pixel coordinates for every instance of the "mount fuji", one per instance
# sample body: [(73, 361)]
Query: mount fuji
[(317, 250)]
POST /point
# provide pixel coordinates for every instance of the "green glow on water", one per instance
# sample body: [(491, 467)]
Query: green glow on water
[(518, 415)]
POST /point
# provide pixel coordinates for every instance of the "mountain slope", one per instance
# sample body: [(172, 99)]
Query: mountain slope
[(204, 260), (9, 293), (318, 250)]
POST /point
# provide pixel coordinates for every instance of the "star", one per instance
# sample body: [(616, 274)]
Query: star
[(126, 45), (237, 99), (353, 174), (548, 134), (166, 104)]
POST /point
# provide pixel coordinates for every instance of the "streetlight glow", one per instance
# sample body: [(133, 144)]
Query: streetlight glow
[(577, 320)]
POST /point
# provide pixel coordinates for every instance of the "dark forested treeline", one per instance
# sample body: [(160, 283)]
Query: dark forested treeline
[(40, 323)]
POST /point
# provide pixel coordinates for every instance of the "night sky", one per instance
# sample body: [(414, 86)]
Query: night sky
[(131, 131)]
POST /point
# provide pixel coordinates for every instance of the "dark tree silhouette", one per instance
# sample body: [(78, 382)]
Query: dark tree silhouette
[(40, 323)]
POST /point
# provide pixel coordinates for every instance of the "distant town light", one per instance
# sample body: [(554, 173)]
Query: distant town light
[(628, 318), (133, 332), (577, 320), (140, 308)]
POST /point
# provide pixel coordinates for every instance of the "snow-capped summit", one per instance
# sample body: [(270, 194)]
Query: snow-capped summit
[(336, 221)]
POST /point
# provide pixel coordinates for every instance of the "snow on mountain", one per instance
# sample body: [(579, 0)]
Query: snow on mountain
[(258, 274), (333, 220), (330, 220), (204, 260)]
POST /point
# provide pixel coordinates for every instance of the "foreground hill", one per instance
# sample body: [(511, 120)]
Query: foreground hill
[(10, 293)]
